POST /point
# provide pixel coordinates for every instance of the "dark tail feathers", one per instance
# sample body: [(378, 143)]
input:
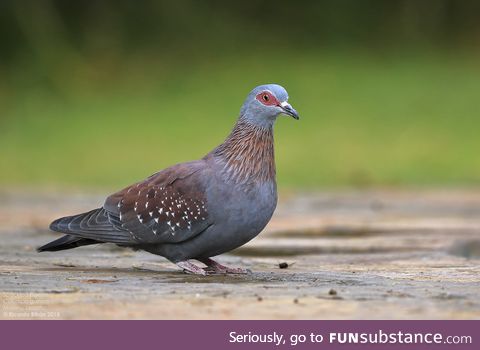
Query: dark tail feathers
[(66, 242), (94, 225), (84, 229)]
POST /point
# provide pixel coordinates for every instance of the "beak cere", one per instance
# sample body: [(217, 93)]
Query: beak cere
[(289, 110)]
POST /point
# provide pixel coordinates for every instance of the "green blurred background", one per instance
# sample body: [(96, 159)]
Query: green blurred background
[(103, 93)]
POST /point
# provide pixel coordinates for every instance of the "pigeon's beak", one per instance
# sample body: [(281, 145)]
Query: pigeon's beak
[(289, 110)]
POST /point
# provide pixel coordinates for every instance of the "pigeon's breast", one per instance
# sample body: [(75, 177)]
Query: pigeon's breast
[(239, 214), (255, 206)]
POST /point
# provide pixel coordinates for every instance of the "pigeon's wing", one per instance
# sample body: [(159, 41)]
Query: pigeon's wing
[(168, 207)]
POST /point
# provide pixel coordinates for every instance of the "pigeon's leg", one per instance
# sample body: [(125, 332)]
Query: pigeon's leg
[(214, 267), (188, 267)]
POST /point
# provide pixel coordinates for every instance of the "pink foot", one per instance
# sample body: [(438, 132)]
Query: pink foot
[(188, 267), (214, 267)]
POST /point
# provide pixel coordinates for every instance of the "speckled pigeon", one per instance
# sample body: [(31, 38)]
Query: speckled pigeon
[(199, 209)]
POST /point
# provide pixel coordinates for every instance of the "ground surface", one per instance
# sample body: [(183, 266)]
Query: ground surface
[(365, 254)]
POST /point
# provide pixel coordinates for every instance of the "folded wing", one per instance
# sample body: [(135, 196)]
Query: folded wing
[(168, 207)]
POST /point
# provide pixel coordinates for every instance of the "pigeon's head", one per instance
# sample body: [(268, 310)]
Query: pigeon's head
[(265, 103)]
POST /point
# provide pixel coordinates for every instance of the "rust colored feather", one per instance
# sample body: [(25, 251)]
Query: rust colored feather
[(248, 154)]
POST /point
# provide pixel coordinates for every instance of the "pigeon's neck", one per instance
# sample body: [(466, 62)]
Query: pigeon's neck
[(247, 155)]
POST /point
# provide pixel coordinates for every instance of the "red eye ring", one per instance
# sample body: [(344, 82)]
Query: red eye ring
[(267, 98)]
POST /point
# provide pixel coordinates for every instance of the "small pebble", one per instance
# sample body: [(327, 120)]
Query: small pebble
[(295, 301), (332, 292), (283, 265)]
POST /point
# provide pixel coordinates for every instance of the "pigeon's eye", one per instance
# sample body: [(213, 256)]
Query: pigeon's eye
[(267, 98)]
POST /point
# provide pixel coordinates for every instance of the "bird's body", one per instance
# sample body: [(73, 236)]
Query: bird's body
[(198, 209)]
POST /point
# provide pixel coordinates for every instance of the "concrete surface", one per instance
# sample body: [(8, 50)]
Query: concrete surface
[(372, 254)]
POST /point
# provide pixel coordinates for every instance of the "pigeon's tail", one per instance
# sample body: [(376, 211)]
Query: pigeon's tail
[(66, 242), (95, 226)]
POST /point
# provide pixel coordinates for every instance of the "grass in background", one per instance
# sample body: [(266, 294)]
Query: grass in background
[(393, 120)]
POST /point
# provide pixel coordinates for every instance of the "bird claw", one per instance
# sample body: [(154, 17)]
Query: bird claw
[(189, 272), (190, 268), (214, 268)]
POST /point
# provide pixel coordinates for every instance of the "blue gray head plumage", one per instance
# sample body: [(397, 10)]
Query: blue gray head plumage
[(264, 113)]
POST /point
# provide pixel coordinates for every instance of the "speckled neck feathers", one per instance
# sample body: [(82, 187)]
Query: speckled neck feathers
[(247, 155)]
